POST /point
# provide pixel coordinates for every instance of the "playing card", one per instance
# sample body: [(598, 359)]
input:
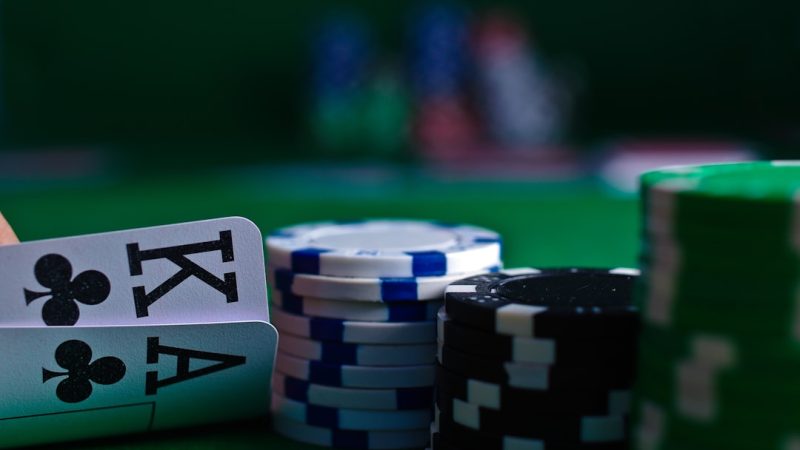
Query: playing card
[(64, 383), (198, 272)]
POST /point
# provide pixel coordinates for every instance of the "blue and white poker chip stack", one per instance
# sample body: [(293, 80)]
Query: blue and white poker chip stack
[(355, 304)]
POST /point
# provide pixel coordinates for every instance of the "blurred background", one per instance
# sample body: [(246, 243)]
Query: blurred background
[(201, 83), (143, 112)]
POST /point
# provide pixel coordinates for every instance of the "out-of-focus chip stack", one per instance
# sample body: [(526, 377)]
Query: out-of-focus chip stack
[(536, 359), (522, 103), (355, 304), (720, 347), (440, 71), (341, 56)]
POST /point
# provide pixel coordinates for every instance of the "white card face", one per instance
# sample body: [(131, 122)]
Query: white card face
[(198, 272), (64, 383)]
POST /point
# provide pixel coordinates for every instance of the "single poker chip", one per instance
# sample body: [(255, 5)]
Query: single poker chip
[(718, 241), (564, 428), (707, 288), (741, 353), (752, 195), (356, 311), (386, 289), (383, 248), (338, 397), (358, 332), (350, 419), (541, 377), (357, 354), (722, 260), (667, 299), (355, 376), (595, 402), (569, 302), (350, 439), (562, 351), (445, 431), (776, 323)]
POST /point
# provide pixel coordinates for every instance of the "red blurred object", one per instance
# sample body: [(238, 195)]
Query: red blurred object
[(489, 161), (445, 126), (497, 33)]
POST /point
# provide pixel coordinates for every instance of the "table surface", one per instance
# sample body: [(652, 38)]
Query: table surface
[(556, 224)]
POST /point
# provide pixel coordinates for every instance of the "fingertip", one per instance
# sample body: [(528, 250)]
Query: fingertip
[(7, 235)]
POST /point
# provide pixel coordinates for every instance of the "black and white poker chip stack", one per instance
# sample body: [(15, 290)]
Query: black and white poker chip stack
[(355, 305), (536, 359)]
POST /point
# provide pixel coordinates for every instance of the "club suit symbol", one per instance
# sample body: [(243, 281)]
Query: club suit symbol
[(76, 357), (55, 272)]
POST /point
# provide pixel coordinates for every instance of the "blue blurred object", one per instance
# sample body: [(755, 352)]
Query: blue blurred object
[(439, 60), (341, 54), (438, 50)]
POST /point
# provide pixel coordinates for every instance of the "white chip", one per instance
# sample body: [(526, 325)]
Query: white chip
[(357, 311), (386, 289), (352, 419), (355, 376), (383, 248), (358, 332), (357, 354), (353, 398)]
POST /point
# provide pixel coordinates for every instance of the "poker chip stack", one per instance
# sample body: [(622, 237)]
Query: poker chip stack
[(536, 359), (720, 345), (440, 64), (341, 55), (355, 305)]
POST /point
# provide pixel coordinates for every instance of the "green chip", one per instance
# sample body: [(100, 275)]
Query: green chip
[(707, 287), (745, 260), (752, 357), (723, 241), (764, 183), (759, 318), (746, 196)]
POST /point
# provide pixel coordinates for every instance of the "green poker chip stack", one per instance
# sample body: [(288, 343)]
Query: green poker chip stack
[(719, 358)]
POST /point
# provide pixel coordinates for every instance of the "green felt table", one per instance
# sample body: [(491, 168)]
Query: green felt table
[(563, 224)]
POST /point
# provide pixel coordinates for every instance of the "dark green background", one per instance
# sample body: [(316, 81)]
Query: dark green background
[(182, 77)]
